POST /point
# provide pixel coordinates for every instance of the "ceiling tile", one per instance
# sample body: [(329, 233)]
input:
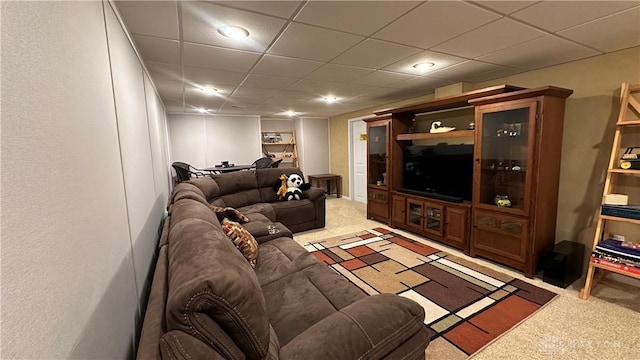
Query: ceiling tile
[(339, 73), (169, 89), (440, 60), (201, 22), (374, 54), (382, 92), (558, 15), (283, 9), (284, 66), (290, 95), (197, 89), (615, 32), (268, 81), (381, 78), (197, 75), (194, 93), (428, 24), (313, 43), (194, 99), (163, 23), (159, 71), (356, 17), (492, 74), (217, 58), (423, 84), (489, 38), (539, 53), (505, 7), (352, 89), (318, 87), (158, 50), (255, 95), (463, 71)]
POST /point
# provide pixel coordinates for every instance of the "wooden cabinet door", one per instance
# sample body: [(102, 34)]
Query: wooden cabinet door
[(398, 208), (500, 235), (456, 225), (378, 203)]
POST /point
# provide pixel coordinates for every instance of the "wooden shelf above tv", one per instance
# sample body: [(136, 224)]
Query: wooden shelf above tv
[(450, 134)]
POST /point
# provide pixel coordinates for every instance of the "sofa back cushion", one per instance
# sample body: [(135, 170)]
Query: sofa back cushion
[(213, 291), (237, 189), (268, 178), (207, 185)]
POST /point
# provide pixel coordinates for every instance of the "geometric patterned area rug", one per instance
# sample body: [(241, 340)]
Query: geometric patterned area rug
[(467, 305)]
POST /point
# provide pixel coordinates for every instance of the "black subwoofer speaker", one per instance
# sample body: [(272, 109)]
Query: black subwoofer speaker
[(563, 265)]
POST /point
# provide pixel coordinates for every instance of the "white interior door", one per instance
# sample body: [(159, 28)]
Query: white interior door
[(359, 160)]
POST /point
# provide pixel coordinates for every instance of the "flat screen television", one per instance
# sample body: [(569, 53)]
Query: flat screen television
[(439, 171)]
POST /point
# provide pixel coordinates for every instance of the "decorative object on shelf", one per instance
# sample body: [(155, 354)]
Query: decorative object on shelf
[(384, 179), (616, 199), (630, 160), (502, 201), (510, 130), (472, 125), (436, 128), (271, 137)]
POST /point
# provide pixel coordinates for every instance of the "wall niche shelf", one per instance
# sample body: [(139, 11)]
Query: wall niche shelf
[(423, 136)]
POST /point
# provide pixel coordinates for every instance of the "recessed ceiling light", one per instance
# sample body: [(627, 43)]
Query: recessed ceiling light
[(290, 113), (234, 32), (202, 110), (209, 90), (423, 66), (330, 99)]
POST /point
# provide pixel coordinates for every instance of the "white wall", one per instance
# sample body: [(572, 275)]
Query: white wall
[(81, 182), (314, 145), (206, 140)]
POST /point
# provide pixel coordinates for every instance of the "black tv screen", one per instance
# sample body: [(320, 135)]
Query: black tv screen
[(439, 170)]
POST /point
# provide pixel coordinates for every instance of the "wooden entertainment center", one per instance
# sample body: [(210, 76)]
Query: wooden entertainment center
[(508, 212)]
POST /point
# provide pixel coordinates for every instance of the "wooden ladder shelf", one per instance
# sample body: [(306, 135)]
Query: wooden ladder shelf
[(596, 270)]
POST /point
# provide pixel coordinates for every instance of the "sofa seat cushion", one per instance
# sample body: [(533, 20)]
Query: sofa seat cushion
[(213, 291), (280, 257), (299, 300), (265, 209), (294, 212)]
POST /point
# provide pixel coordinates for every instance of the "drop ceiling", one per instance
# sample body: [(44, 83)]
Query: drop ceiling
[(360, 52)]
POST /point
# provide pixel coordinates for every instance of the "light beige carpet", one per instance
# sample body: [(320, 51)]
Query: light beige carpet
[(607, 326)]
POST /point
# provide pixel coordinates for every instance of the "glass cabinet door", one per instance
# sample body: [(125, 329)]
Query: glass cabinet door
[(505, 153), (433, 219), (414, 213), (377, 141)]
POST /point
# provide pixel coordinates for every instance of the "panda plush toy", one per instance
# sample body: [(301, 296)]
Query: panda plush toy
[(295, 186)]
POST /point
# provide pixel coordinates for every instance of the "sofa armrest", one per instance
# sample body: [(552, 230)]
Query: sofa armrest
[(178, 345), (313, 193), (370, 328)]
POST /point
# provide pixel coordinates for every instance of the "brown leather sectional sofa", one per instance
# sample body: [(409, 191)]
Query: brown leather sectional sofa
[(207, 302)]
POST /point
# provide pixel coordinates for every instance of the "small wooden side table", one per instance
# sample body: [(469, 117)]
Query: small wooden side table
[(328, 178)]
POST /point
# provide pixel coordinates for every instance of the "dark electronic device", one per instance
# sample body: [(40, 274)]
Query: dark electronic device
[(439, 171), (630, 160), (563, 265)]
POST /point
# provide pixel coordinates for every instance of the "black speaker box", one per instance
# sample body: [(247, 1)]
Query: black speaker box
[(563, 265)]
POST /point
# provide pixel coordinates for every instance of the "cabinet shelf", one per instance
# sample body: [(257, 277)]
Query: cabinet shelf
[(616, 270), (450, 134), (279, 143)]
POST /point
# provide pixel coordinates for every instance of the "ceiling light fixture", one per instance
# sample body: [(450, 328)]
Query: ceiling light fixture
[(234, 32), (423, 66), (209, 90), (290, 113), (330, 99), (202, 110)]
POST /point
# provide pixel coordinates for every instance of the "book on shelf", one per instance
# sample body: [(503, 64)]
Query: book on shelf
[(622, 260), (615, 247), (616, 265), (630, 245)]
